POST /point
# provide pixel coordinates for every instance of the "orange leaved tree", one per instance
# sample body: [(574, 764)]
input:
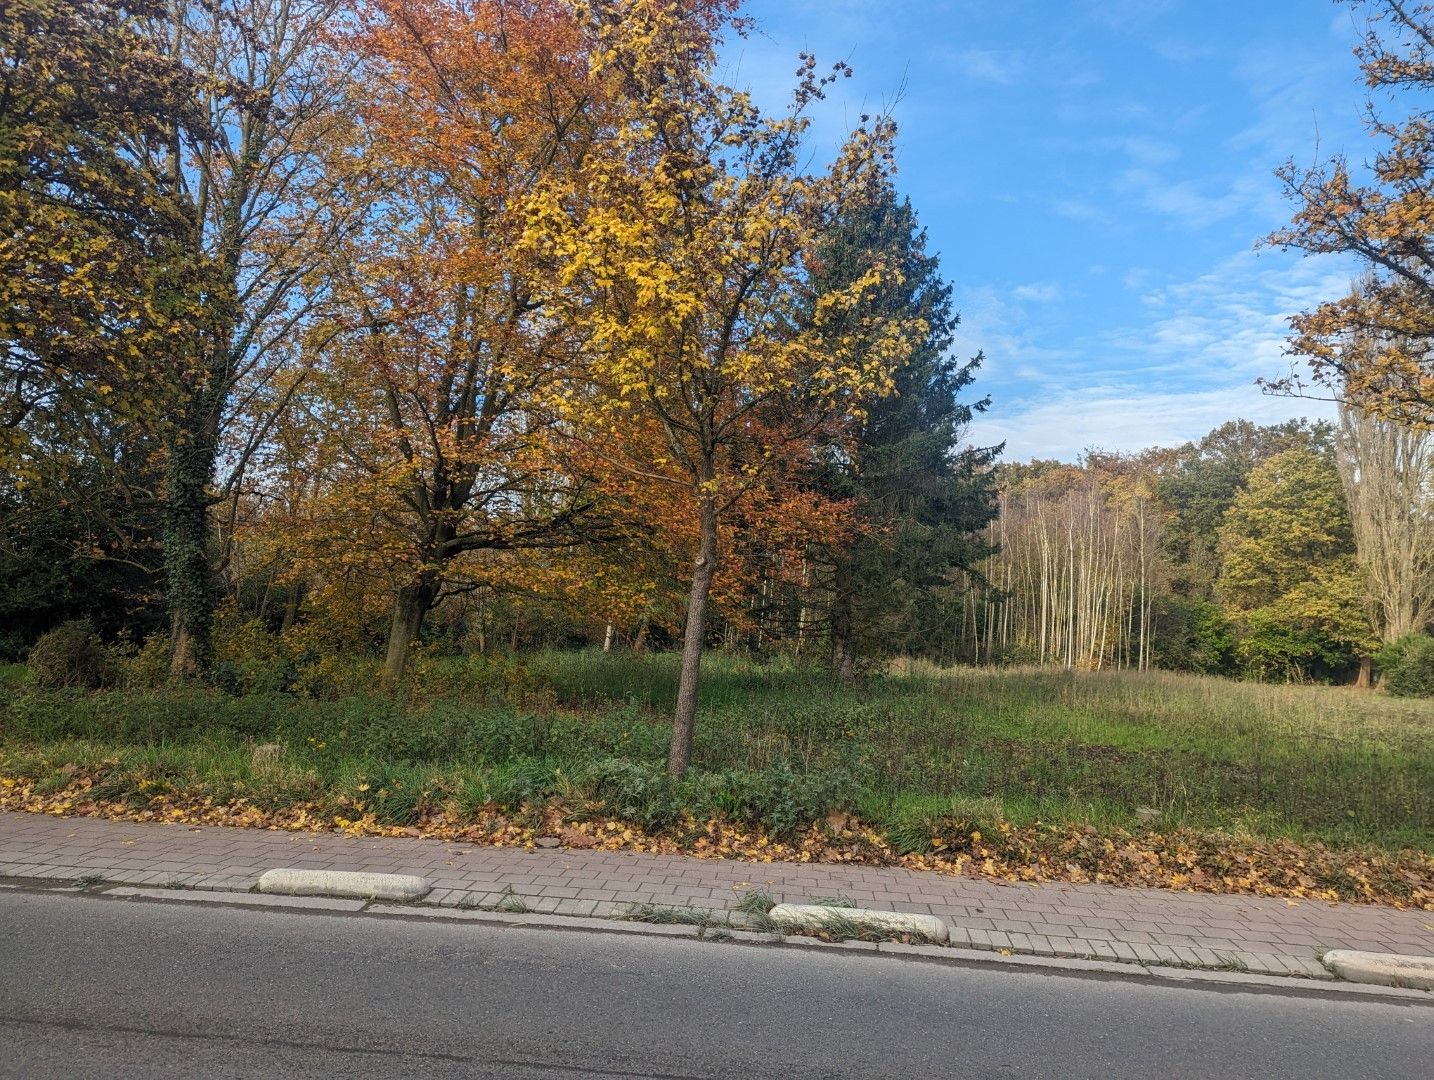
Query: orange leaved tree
[(441, 367)]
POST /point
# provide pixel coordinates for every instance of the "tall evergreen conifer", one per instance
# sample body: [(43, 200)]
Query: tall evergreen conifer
[(923, 499)]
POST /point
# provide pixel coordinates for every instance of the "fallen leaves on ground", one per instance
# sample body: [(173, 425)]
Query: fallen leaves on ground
[(1186, 860)]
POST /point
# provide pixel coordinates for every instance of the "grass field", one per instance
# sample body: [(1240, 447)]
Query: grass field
[(777, 745)]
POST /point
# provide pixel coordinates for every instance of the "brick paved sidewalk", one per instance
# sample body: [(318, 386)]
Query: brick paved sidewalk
[(1095, 921)]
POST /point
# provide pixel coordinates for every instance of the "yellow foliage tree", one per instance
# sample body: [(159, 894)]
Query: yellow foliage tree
[(683, 260)]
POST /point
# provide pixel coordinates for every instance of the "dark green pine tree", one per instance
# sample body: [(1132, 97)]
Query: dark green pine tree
[(924, 497)]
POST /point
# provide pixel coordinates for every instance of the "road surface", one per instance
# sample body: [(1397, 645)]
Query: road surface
[(92, 986)]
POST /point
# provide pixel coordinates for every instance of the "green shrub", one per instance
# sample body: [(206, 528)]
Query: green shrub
[(777, 798), (1408, 666), (635, 791), (1192, 635), (71, 656), (781, 800), (478, 677), (147, 668), (1272, 647), (250, 660)]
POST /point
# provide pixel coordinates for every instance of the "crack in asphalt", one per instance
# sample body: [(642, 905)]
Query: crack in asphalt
[(555, 1067)]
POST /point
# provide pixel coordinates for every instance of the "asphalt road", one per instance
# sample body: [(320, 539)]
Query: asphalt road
[(96, 987)]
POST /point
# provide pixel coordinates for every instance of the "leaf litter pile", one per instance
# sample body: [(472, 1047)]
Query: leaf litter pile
[(1182, 859)]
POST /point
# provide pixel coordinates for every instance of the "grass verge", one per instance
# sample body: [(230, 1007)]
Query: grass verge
[(1157, 780)]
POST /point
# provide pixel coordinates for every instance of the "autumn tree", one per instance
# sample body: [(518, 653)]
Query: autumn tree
[(1288, 574), (1383, 219), (92, 272), (922, 500), (80, 528), (264, 210), (1201, 480), (1388, 474), (444, 349), (685, 261)]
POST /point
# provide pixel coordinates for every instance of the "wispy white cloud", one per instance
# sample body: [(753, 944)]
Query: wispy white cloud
[(1126, 15), (1143, 150), (994, 323), (1283, 90), (1196, 203), (1000, 66), (1066, 425), (1235, 318), (1186, 361), (1040, 292)]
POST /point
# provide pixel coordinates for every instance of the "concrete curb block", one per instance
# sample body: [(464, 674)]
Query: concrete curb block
[(1382, 969), (291, 882), (816, 916)]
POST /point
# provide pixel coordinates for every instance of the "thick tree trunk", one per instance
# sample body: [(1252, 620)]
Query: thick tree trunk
[(684, 720), (843, 624), (1366, 674), (607, 638), (193, 455), (406, 627), (639, 641)]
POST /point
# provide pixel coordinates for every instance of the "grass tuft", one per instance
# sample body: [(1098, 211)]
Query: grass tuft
[(511, 903), (755, 902)]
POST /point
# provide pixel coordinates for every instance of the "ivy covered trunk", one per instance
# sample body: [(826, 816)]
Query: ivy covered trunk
[(684, 720), (192, 448)]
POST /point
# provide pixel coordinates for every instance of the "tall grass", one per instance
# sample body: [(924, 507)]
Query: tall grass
[(1342, 765), (1277, 760)]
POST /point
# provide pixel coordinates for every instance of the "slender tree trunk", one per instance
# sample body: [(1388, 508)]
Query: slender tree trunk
[(405, 627), (843, 635), (193, 455), (291, 608), (607, 638), (684, 720)]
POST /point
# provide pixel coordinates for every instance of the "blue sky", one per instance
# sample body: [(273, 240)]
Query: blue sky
[(1095, 175)]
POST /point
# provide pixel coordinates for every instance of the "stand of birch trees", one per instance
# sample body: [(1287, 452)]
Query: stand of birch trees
[(1073, 581)]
